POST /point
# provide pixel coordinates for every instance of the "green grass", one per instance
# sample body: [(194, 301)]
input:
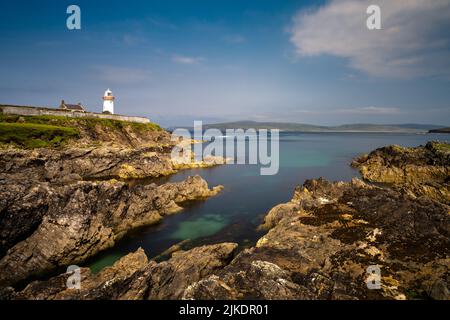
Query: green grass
[(32, 135), (32, 132), (84, 122)]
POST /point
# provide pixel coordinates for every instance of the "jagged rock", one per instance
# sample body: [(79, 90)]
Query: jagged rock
[(111, 283), (318, 246), (321, 243), (255, 280), (81, 219), (133, 277), (417, 171), (312, 194), (22, 207), (170, 278), (74, 164), (277, 213)]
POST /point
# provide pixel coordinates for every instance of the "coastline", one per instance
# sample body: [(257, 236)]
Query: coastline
[(340, 227)]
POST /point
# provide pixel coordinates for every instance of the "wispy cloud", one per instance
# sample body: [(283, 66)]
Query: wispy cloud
[(186, 60), (120, 75), (413, 41)]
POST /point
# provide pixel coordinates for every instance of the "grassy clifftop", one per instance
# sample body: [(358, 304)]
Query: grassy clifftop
[(30, 135), (55, 131)]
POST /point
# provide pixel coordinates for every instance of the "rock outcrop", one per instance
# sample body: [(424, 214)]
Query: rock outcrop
[(418, 171), (133, 277), (62, 205), (321, 243), (103, 149), (319, 246), (103, 162), (53, 226)]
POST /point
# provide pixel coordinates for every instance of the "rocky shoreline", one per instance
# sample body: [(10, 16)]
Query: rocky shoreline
[(421, 171), (317, 246), (93, 163), (60, 206), (79, 220)]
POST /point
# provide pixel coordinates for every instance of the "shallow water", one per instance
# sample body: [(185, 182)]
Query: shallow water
[(235, 213)]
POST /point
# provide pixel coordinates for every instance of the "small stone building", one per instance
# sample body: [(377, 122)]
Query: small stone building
[(72, 107)]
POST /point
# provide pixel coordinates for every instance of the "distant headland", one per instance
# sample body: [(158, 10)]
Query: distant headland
[(441, 130), (301, 127)]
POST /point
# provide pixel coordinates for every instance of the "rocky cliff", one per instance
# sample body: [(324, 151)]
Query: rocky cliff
[(61, 205), (103, 149), (53, 227)]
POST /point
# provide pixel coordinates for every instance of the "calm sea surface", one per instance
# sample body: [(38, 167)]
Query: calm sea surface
[(236, 212)]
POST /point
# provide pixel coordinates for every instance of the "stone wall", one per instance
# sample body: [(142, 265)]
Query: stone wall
[(42, 111)]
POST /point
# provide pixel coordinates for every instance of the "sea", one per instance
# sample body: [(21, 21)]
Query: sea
[(235, 214)]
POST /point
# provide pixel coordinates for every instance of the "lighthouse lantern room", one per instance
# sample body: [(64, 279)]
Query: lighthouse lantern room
[(108, 102)]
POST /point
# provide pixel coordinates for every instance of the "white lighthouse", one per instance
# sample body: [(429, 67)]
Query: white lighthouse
[(108, 102)]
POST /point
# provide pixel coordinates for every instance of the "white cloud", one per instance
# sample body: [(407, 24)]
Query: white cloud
[(414, 40), (121, 75), (186, 60)]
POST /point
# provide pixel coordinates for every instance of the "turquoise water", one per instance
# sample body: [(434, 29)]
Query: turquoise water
[(203, 226), (236, 212)]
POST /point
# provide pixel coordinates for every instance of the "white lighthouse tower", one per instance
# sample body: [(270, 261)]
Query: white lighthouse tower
[(108, 102)]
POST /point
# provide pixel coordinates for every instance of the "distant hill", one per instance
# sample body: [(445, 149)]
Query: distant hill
[(417, 126), (440, 130), (301, 127)]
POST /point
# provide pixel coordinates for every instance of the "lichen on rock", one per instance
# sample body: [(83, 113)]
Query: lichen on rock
[(420, 171)]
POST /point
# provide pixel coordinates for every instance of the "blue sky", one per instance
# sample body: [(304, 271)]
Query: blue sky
[(266, 60)]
